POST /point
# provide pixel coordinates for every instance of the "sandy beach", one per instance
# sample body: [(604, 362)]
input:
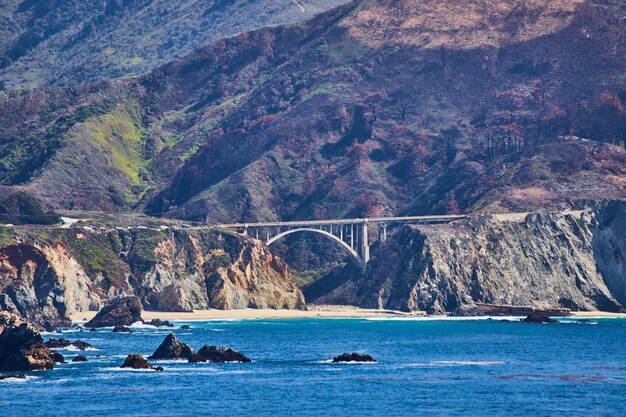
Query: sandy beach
[(595, 314), (327, 311), (249, 313)]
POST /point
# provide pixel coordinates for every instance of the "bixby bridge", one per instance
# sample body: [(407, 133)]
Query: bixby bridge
[(351, 234)]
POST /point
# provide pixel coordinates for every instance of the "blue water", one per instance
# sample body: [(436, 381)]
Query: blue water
[(431, 368)]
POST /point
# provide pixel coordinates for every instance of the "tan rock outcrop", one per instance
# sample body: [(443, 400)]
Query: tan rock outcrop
[(44, 279), (246, 283)]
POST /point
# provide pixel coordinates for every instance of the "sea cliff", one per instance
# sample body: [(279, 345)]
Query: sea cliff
[(572, 259), (46, 274)]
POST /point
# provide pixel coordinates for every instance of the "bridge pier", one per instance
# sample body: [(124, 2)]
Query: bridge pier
[(365, 244)]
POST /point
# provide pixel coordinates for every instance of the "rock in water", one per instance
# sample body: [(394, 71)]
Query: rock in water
[(353, 357), (136, 361), (538, 318), (185, 327), (80, 358), (21, 346), (61, 343), (121, 329), (120, 311), (57, 357), (80, 345), (171, 348), (218, 355)]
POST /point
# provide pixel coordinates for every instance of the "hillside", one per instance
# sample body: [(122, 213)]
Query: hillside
[(375, 107), (69, 42)]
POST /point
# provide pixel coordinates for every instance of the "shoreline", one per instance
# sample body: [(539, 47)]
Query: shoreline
[(251, 313), (314, 311)]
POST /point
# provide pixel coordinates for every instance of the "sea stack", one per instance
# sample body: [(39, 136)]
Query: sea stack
[(119, 311)]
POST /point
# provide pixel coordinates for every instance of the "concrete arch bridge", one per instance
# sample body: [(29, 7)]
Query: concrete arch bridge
[(351, 234)]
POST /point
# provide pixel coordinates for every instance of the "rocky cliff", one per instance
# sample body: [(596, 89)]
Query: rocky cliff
[(46, 274), (574, 260)]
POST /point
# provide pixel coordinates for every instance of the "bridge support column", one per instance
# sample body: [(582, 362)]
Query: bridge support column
[(365, 247), (382, 232)]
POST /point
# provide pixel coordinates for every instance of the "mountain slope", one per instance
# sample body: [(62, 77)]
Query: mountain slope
[(70, 42), (375, 107)]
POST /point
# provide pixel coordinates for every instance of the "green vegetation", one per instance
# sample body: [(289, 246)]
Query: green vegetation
[(118, 133), (95, 254), (217, 261)]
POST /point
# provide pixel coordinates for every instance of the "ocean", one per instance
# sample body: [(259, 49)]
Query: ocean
[(425, 368)]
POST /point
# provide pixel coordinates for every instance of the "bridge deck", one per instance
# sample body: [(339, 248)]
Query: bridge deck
[(375, 220)]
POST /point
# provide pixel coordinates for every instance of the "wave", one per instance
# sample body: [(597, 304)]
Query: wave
[(72, 348), (457, 363), (330, 362), (443, 318), (19, 380), (116, 369)]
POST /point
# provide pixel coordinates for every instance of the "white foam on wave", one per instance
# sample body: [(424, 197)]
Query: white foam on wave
[(168, 360), (19, 380), (72, 348), (140, 325), (578, 322), (217, 330), (116, 369), (330, 361), (457, 363), (443, 318), (205, 369)]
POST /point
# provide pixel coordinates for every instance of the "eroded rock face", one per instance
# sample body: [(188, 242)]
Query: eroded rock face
[(120, 311), (573, 260), (45, 281), (247, 282), (37, 283), (172, 348), (21, 346)]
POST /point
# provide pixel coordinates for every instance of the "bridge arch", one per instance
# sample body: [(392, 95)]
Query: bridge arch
[(354, 254)]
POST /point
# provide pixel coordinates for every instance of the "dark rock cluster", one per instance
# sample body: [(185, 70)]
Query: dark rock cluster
[(353, 357), (172, 348), (219, 354), (61, 343), (22, 347), (159, 323), (538, 318), (121, 329)]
